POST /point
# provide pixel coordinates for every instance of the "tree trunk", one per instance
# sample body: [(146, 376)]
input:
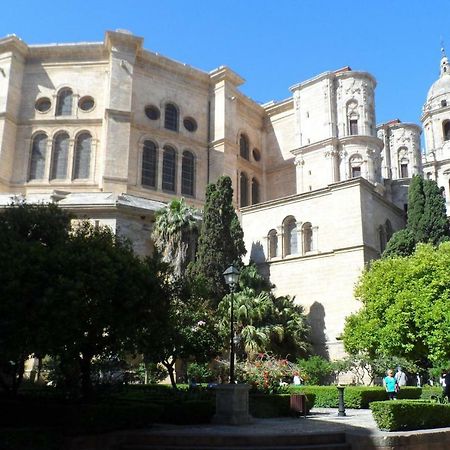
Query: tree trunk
[(17, 376), (170, 369), (86, 382)]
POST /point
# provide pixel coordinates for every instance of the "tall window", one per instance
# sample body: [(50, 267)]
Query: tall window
[(171, 117), (273, 243), (355, 165), (64, 103), (187, 173), (82, 156), (307, 237), (38, 153), (353, 125), (356, 171), (149, 164), (255, 191), (446, 127), (388, 228), (59, 157), (244, 189), (243, 146), (290, 236), (169, 169), (404, 168)]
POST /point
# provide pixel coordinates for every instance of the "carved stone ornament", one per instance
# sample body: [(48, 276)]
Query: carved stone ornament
[(299, 161)]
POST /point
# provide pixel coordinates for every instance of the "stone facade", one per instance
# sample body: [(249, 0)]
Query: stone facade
[(112, 132)]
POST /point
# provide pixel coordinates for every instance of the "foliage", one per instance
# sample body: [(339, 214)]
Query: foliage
[(263, 322), (221, 241), (190, 330), (151, 373), (427, 219), (200, 373), (266, 373), (357, 397), (405, 310), (275, 405), (316, 370), (175, 234), (407, 415), (31, 235)]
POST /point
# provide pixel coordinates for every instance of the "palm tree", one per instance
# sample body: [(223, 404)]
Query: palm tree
[(175, 234)]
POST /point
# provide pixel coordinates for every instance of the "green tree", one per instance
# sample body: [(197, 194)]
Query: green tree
[(190, 331), (405, 308), (427, 219), (101, 299), (263, 322), (175, 234), (31, 236), (221, 240)]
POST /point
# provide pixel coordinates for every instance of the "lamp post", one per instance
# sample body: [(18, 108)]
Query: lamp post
[(231, 276)]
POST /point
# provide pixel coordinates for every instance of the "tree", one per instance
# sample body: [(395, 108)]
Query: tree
[(427, 219), (265, 323), (221, 240), (175, 234), (405, 308), (190, 331), (101, 299), (31, 237)]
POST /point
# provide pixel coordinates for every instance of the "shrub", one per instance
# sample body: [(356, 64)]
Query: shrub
[(406, 415), (316, 370), (429, 391), (200, 373), (188, 412), (357, 397)]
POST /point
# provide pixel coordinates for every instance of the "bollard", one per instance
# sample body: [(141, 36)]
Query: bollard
[(341, 401)]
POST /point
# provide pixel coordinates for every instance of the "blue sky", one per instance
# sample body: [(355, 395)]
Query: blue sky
[(272, 44)]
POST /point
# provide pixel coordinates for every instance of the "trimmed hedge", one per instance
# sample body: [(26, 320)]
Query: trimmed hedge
[(274, 405), (402, 415), (357, 397), (429, 391)]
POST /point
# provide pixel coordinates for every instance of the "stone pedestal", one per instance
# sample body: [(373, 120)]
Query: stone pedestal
[(232, 404)]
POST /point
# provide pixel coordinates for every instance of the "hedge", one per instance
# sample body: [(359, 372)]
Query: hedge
[(274, 405), (402, 415), (357, 397)]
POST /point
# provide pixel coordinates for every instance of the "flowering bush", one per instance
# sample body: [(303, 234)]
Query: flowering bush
[(266, 373)]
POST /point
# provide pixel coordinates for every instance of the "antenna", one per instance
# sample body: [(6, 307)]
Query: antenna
[(443, 47)]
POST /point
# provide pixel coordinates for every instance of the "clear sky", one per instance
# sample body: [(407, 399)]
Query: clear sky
[(272, 44)]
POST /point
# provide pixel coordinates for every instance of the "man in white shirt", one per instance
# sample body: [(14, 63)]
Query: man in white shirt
[(400, 377)]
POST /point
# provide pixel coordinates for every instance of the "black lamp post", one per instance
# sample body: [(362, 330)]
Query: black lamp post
[(231, 276)]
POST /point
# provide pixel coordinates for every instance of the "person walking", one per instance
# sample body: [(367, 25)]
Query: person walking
[(390, 384), (400, 377)]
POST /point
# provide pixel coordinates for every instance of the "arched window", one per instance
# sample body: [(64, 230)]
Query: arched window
[(356, 162), (308, 244), (382, 238), (149, 164), (187, 173), (64, 103), (243, 146), (171, 117), (446, 129), (38, 154), (290, 236), (169, 168), (243, 190), (273, 243), (388, 228), (255, 191), (59, 157), (82, 157)]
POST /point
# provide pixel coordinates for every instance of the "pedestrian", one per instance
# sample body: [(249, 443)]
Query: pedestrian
[(400, 377), (446, 386), (390, 384), (297, 380)]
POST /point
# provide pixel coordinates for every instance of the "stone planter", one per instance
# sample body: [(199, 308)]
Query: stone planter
[(232, 404)]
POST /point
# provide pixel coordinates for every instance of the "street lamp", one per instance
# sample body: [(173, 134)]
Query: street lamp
[(231, 276)]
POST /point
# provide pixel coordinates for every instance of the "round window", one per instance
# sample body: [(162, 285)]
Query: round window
[(256, 154), (86, 103), (43, 104), (152, 112), (190, 124)]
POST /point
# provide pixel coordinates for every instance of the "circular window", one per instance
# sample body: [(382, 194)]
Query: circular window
[(86, 103), (256, 154), (43, 104), (152, 112), (190, 124)]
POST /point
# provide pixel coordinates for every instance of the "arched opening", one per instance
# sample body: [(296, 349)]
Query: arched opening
[(82, 162), (243, 146), (243, 189), (290, 236), (255, 191), (64, 103), (446, 130), (273, 243), (59, 156), (171, 117), (187, 173), (169, 168), (38, 154), (149, 164), (308, 245)]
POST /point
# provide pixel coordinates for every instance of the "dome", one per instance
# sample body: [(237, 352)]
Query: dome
[(442, 85)]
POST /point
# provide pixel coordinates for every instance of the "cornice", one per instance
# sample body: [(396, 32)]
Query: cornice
[(225, 73), (273, 108), (60, 122), (13, 43)]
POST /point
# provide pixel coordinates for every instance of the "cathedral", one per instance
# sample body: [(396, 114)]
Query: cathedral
[(112, 132)]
